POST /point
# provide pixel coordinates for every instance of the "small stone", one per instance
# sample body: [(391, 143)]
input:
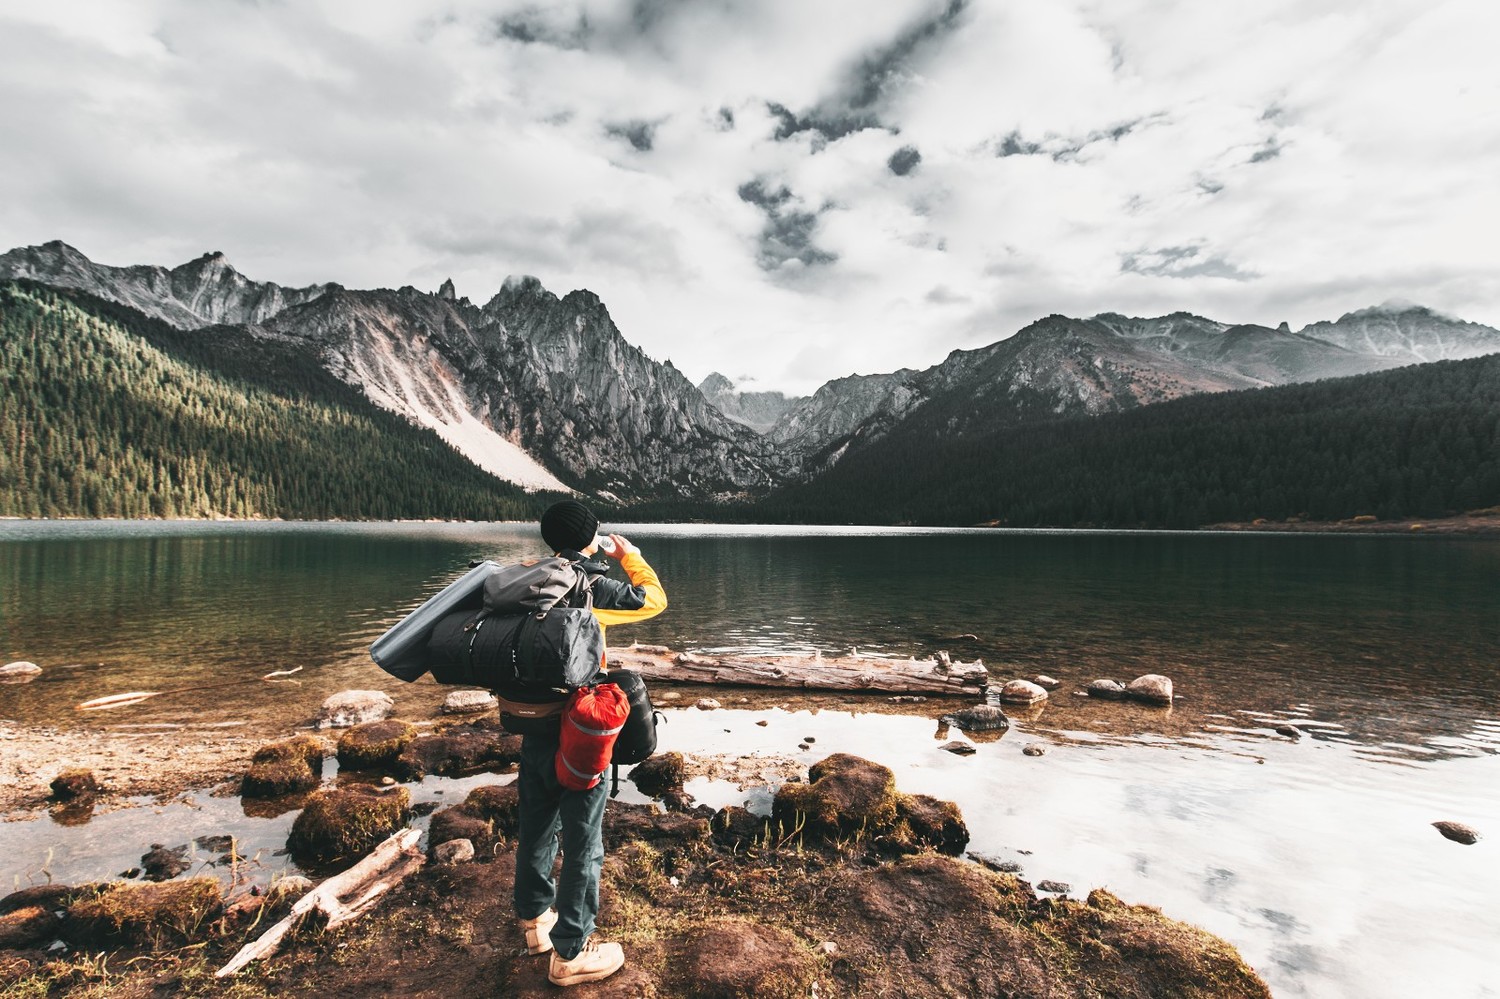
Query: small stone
[(1034, 749), (979, 718), (809, 739), (1056, 887), (1109, 690), (706, 704), (908, 699), (827, 948), (762, 723), (462, 702), (1458, 832), (1290, 731), (671, 695), (20, 668), (1022, 692), (348, 708), (1153, 688), (455, 851), (803, 746), (958, 748), (387, 781), (1046, 682), (996, 864)]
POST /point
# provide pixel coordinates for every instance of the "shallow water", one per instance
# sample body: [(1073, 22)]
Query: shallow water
[(1315, 857)]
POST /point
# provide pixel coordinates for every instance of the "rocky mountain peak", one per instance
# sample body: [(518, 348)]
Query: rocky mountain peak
[(714, 384), (446, 291)]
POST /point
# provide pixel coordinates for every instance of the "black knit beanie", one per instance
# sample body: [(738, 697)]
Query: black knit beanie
[(569, 526)]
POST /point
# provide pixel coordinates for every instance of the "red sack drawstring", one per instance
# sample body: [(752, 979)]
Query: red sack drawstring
[(591, 722)]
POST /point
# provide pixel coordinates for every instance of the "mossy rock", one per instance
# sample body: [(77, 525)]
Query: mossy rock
[(659, 774), (740, 959), (847, 796), (73, 784), (459, 822), (925, 822), (499, 804), (168, 914), (28, 926), (284, 767), (459, 750), (625, 822), (336, 825), (374, 744)]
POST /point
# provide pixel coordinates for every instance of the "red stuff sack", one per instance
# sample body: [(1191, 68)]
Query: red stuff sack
[(591, 722)]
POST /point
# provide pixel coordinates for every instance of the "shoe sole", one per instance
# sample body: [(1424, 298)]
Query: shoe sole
[(584, 976)]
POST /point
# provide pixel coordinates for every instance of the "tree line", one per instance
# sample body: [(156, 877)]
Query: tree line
[(105, 412)]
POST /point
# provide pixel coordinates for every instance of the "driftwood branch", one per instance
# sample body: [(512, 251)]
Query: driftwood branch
[(340, 898), (939, 675)]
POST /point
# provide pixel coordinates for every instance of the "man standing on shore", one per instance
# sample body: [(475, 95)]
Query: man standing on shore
[(559, 917)]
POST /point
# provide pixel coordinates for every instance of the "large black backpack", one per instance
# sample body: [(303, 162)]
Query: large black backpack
[(534, 640)]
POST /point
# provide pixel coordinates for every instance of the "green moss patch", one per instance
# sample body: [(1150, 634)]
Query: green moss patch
[(146, 915), (284, 767), (374, 744), (338, 825)]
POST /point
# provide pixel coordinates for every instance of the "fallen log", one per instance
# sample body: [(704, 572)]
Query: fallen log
[(938, 676), (340, 898)]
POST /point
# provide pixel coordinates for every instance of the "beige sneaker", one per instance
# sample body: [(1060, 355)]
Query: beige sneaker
[(596, 960), (539, 932)]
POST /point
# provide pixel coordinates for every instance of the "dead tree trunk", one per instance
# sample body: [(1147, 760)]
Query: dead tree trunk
[(853, 673)]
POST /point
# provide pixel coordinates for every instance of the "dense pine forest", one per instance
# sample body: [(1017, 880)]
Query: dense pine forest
[(1421, 441), (107, 413)]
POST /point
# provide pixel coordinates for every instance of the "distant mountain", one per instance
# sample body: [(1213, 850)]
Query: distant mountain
[(200, 292), (1407, 334), (535, 389), (757, 410)]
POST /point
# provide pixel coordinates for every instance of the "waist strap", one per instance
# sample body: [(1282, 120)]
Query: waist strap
[(522, 709)]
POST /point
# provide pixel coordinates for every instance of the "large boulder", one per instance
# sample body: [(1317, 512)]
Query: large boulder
[(284, 767), (172, 913), (337, 825), (374, 744), (354, 707), (1153, 688)]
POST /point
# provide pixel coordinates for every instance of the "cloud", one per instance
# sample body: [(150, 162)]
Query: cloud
[(1181, 262), (792, 190)]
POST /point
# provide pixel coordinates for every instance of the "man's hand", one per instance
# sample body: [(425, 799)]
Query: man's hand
[(622, 545)]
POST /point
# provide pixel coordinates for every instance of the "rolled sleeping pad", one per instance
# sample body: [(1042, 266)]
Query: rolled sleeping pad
[(402, 651)]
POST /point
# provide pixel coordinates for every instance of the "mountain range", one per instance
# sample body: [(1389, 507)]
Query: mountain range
[(546, 392)]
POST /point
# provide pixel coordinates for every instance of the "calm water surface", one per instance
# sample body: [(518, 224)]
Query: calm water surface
[(1315, 856)]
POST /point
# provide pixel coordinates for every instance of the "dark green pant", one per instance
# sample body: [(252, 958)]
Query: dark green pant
[(547, 810)]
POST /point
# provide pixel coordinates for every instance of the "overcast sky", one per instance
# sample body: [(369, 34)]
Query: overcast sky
[(782, 190)]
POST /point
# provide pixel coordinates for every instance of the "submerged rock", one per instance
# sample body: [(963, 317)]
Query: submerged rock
[(459, 750), (958, 748), (19, 668), (1153, 688), (1046, 682), (1034, 749), (1109, 690), (1458, 832), (979, 718), (164, 863), (339, 824), (354, 707)]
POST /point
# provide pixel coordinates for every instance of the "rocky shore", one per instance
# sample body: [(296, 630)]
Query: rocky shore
[(849, 886)]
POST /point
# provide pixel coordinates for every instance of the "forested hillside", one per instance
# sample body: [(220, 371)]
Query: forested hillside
[(1420, 441), (107, 413)]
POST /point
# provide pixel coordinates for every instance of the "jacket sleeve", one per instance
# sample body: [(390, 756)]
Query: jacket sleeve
[(643, 598)]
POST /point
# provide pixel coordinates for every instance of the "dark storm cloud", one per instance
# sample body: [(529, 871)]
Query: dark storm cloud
[(1181, 262), (534, 26), (856, 103), (640, 134), (904, 160), (788, 232)]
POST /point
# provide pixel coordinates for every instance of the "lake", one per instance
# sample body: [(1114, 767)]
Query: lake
[(1314, 855)]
